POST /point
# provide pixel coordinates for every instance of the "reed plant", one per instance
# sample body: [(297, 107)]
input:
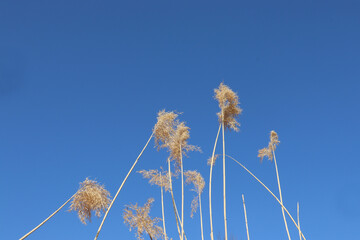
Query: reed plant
[(171, 134)]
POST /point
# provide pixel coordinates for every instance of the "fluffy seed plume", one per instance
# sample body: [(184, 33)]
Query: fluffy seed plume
[(195, 178), (228, 103), (91, 196), (158, 178), (212, 161), (268, 151), (179, 144), (171, 134), (138, 217), (164, 129)]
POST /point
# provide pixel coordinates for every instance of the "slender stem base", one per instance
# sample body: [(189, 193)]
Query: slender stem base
[(281, 200), (122, 184), (246, 222), (224, 178), (210, 181), (26, 235)]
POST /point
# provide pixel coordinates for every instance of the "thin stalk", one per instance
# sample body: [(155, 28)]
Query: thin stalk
[(26, 235), (292, 219), (281, 200), (182, 195), (122, 184), (246, 222), (162, 207), (201, 220), (224, 185), (149, 236), (173, 200), (210, 180), (298, 218)]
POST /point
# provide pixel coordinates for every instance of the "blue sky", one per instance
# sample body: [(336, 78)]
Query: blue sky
[(81, 84)]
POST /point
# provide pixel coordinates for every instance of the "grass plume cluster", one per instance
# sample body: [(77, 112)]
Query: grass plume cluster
[(173, 135)]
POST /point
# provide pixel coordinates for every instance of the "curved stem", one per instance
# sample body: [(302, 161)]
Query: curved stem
[(246, 222), (26, 235), (210, 180), (122, 184), (280, 194), (292, 219)]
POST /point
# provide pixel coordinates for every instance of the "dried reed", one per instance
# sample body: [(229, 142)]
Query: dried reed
[(138, 217), (197, 180), (91, 196), (228, 103), (269, 152)]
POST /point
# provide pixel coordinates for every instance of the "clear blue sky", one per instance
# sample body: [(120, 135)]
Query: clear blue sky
[(81, 83)]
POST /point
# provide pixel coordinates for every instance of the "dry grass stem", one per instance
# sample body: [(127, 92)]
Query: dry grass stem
[(228, 103), (138, 218), (48, 218), (121, 186), (246, 221), (91, 197)]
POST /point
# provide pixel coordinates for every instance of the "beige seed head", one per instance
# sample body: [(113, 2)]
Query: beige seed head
[(268, 151), (164, 129), (138, 217), (211, 161), (195, 178), (158, 178), (91, 196), (228, 103)]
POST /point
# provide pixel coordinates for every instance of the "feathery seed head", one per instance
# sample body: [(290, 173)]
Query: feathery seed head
[(158, 178), (164, 129), (91, 196), (268, 151), (195, 178), (211, 161), (228, 103), (179, 146), (138, 217)]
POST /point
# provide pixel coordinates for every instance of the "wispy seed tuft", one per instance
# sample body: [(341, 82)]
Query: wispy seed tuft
[(268, 151), (91, 196), (195, 178), (228, 103), (138, 217)]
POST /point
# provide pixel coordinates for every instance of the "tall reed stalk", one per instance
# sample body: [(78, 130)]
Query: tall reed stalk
[(201, 219), (212, 162), (173, 199), (282, 209), (47, 219), (281, 204), (246, 221), (224, 178), (182, 194), (162, 207), (121, 186)]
